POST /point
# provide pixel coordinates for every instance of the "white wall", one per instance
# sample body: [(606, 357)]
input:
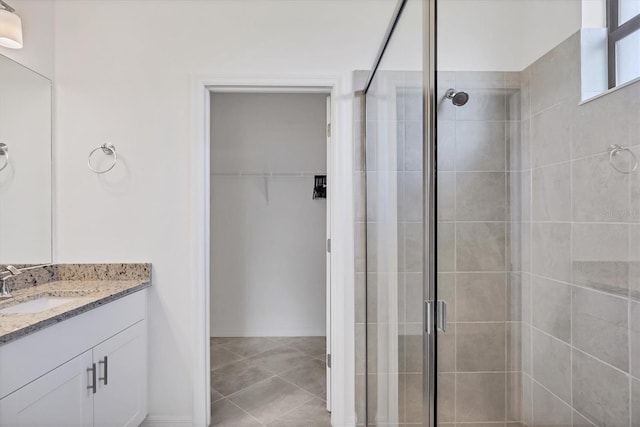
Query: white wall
[(502, 35), (123, 74), (267, 234), (38, 36)]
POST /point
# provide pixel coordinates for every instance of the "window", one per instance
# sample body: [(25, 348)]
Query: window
[(623, 22)]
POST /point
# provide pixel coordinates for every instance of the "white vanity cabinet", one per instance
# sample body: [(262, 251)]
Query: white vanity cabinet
[(104, 384)]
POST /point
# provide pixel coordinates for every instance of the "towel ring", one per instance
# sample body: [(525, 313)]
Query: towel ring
[(4, 152), (110, 150), (614, 149)]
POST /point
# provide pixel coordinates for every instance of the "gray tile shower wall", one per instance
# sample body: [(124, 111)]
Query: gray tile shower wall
[(479, 357), (579, 247)]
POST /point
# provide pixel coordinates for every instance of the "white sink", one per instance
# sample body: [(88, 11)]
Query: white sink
[(45, 302)]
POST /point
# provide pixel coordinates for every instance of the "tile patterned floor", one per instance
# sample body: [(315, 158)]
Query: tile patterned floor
[(272, 382)]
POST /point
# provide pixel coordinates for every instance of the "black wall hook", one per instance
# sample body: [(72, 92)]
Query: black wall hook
[(320, 187)]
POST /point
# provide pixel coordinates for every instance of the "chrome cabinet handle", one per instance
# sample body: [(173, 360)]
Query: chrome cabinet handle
[(94, 384), (441, 315), (105, 362)]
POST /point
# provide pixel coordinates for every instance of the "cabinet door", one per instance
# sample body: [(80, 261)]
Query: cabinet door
[(59, 398), (121, 399)]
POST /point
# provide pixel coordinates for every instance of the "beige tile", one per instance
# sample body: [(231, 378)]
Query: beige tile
[(414, 295), (526, 348), (480, 246), (411, 400), (480, 347), (446, 207), (446, 145), (360, 291), (446, 349), (552, 364), (608, 118), (514, 296), (413, 145), (551, 136), (551, 250), (248, 346), (600, 326), (527, 400), (412, 197), (310, 376), (480, 297), (551, 190), (412, 348), (313, 346), (237, 376), (600, 393), (220, 356), (360, 398), (580, 421), (600, 193), (480, 196), (225, 414), (514, 346), (215, 396), (361, 353), (634, 339), (601, 256), (551, 307), (484, 105), (556, 75), (446, 397), (445, 256), (269, 400), (514, 397), (635, 402), (413, 247), (278, 360), (548, 410), (480, 397), (311, 414), (480, 146)]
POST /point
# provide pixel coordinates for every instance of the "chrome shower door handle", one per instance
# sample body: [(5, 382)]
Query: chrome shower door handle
[(441, 316)]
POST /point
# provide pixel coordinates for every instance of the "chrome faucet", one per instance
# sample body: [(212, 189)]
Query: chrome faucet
[(11, 271)]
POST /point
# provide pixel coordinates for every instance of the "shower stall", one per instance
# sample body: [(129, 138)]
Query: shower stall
[(500, 229)]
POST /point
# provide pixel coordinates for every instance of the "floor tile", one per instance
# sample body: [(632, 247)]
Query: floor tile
[(225, 414), (311, 376), (220, 356), (313, 346), (311, 414), (237, 376), (271, 399), (215, 395), (278, 360), (246, 347)]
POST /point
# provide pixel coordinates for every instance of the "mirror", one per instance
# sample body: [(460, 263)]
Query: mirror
[(25, 165)]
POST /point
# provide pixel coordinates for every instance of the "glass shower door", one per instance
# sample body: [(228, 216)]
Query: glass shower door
[(395, 228)]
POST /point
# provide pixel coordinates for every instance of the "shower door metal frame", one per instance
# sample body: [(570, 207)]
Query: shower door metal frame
[(429, 211), (429, 185)]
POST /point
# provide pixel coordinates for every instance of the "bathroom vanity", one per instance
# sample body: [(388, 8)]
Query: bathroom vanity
[(73, 350)]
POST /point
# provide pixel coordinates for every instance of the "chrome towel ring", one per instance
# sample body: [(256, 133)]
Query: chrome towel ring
[(4, 153), (614, 149), (110, 150)]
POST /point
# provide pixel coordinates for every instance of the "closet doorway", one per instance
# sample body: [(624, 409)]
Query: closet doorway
[(270, 256)]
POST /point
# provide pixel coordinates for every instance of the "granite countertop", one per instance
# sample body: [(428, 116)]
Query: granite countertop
[(90, 293)]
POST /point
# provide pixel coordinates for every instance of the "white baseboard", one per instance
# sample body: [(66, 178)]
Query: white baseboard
[(160, 421), (267, 333)]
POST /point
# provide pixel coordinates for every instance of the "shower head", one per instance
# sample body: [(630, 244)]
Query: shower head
[(458, 98)]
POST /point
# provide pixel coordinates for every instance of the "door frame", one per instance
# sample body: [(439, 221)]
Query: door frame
[(340, 170)]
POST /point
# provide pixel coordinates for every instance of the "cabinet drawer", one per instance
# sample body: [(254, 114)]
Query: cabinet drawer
[(24, 360)]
